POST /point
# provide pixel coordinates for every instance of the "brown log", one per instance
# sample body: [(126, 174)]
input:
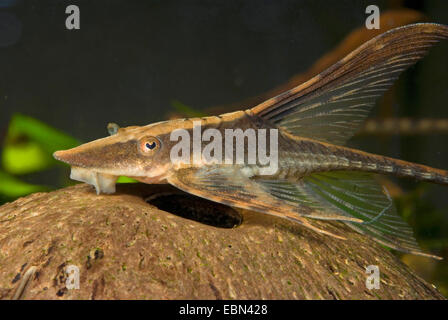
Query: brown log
[(126, 248)]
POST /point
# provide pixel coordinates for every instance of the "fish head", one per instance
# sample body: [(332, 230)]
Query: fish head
[(138, 152)]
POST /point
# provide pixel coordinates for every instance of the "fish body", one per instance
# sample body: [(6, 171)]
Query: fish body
[(307, 173)]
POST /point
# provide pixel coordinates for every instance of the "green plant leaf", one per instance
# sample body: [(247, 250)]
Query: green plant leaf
[(30, 144), (123, 179), (48, 137), (25, 157), (186, 110), (12, 187)]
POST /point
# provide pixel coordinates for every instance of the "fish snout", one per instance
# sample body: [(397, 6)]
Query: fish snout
[(62, 155), (74, 157)]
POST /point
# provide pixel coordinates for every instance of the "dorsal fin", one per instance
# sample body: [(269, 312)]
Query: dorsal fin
[(333, 105)]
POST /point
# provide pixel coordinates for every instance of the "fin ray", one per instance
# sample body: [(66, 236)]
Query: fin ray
[(227, 185), (332, 106), (359, 195)]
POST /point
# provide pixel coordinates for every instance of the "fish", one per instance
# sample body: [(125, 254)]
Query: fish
[(316, 175)]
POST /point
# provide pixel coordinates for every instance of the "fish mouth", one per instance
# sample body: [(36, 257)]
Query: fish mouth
[(103, 183)]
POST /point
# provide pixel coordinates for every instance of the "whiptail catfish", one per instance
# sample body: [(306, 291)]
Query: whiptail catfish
[(317, 177)]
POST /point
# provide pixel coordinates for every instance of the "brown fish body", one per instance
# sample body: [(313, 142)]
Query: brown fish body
[(301, 168), (299, 157)]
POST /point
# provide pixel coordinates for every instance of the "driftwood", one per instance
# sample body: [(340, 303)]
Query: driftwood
[(126, 248)]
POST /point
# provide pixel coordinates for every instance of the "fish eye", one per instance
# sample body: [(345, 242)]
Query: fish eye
[(149, 144)]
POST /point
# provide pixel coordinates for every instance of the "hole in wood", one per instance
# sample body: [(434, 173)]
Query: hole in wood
[(197, 209)]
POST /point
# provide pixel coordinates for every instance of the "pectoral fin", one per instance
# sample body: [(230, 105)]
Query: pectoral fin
[(225, 185), (228, 185)]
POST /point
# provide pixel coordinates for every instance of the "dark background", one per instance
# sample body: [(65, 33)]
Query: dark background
[(130, 59)]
